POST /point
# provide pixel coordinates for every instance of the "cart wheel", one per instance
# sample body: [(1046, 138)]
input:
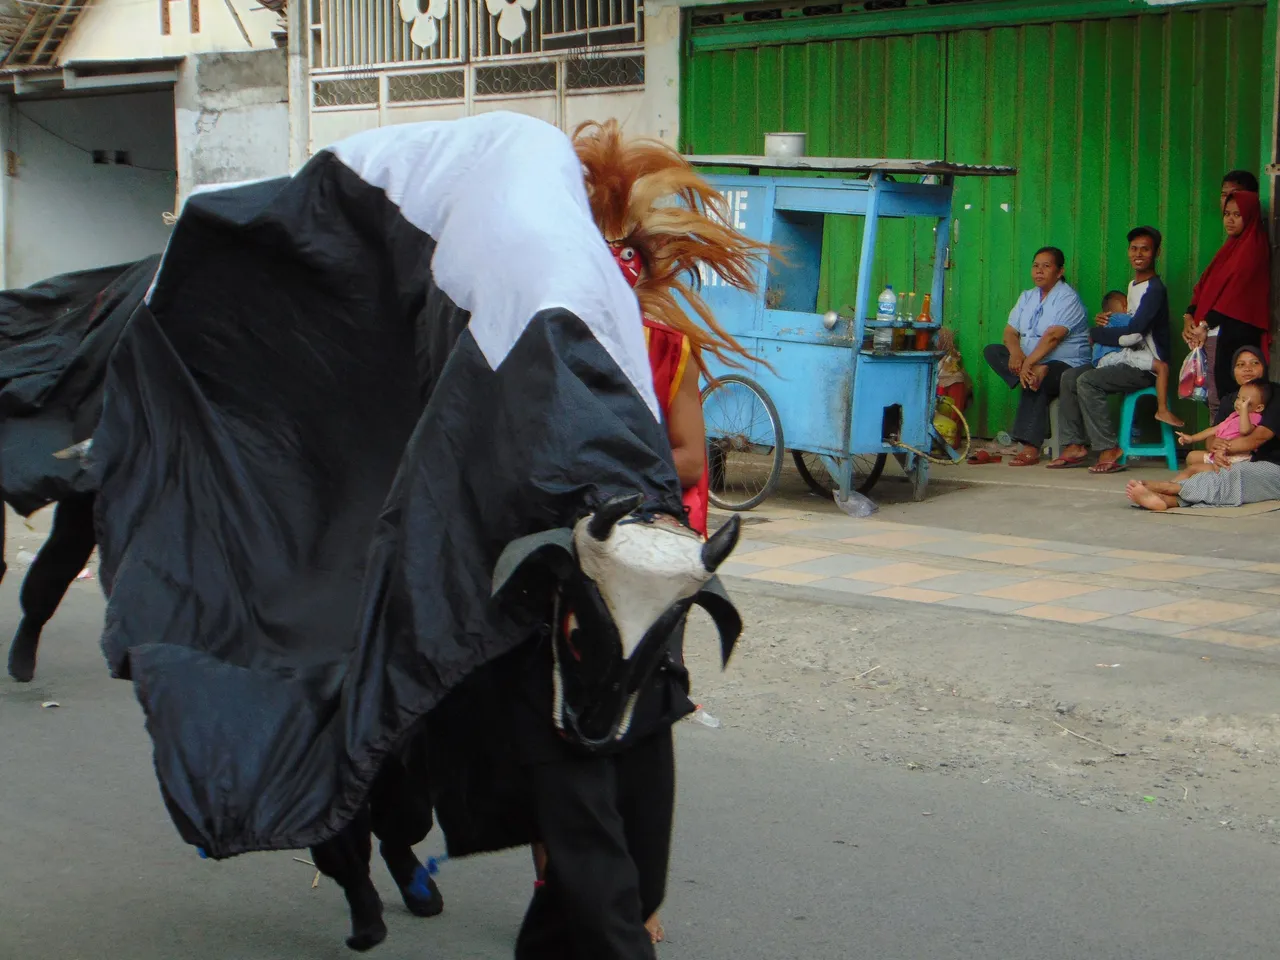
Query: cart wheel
[(744, 442), (813, 471)]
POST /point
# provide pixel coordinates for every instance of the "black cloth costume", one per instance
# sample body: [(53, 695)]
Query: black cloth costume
[(55, 341), (297, 550)]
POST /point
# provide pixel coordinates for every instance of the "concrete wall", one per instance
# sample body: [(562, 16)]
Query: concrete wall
[(130, 30), (628, 107), (660, 115), (232, 114), (64, 212)]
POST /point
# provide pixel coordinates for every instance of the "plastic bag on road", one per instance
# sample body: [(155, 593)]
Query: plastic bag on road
[(856, 505), (706, 719)]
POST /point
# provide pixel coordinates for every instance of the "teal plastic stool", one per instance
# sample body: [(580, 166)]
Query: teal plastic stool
[(1167, 448)]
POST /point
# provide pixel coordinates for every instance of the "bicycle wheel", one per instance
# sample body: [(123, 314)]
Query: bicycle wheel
[(867, 468), (744, 442)]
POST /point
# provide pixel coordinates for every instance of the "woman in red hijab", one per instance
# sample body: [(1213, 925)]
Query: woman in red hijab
[(1234, 294)]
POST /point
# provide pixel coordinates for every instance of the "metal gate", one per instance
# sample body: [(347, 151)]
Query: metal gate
[(374, 62), (1111, 122)]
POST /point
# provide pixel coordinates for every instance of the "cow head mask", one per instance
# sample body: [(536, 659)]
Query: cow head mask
[(621, 582)]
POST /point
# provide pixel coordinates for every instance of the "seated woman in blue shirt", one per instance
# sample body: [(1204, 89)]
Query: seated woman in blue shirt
[(1047, 334)]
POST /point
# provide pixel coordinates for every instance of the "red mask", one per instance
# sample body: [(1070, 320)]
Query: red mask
[(628, 260)]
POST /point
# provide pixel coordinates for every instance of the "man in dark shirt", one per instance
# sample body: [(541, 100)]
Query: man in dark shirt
[(1083, 415)]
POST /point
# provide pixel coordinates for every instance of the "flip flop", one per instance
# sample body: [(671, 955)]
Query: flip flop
[(1022, 460), (1107, 466), (1065, 463), (982, 457)]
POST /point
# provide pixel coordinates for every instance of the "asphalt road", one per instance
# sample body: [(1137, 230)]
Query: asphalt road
[(780, 852)]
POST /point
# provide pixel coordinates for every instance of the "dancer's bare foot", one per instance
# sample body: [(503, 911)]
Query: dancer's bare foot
[(1140, 496), (654, 926), (1166, 416)]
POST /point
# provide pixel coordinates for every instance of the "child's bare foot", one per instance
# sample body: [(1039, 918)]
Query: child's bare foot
[(654, 926), (1140, 496), (1166, 416)]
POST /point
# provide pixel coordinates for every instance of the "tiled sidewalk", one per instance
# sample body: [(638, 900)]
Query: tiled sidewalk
[(1211, 599)]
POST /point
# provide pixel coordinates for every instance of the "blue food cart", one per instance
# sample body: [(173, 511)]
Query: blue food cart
[(823, 386)]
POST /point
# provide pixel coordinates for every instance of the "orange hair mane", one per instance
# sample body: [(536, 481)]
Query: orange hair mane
[(645, 195)]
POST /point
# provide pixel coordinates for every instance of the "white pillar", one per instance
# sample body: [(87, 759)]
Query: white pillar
[(186, 128), (8, 171), (299, 87), (662, 71)]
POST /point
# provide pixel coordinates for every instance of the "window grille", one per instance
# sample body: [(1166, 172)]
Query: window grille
[(385, 33), (365, 33), (424, 87), (593, 73), (346, 92), (509, 78)]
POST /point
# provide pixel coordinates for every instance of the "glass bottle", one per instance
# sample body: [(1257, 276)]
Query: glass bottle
[(903, 318), (923, 323)]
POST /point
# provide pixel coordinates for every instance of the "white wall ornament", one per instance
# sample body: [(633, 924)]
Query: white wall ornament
[(424, 32), (511, 22)]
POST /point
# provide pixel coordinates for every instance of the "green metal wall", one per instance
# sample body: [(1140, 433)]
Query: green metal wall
[(1110, 122)]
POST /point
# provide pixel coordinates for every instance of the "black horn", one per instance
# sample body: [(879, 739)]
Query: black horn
[(716, 550), (604, 519)]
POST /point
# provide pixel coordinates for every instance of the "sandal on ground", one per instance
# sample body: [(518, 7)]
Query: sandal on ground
[(1107, 466), (1025, 460), (1066, 463), (982, 457)]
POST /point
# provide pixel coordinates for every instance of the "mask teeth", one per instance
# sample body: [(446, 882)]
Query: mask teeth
[(627, 714), (557, 681)]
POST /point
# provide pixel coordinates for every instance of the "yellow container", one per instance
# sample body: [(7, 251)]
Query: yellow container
[(947, 428)]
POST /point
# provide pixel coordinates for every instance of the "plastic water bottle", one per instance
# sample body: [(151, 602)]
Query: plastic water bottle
[(886, 317), (887, 306)]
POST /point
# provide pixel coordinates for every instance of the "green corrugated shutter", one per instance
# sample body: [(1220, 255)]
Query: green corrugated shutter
[(1111, 123)]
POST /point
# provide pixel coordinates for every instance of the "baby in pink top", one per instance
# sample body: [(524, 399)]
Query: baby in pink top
[(1251, 400)]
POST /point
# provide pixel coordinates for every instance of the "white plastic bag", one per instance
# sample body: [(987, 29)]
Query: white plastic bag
[(1193, 377), (856, 505)]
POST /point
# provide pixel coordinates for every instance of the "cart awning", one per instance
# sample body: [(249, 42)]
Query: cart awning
[(853, 165)]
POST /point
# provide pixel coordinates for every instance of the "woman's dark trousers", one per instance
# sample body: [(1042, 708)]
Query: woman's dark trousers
[(1031, 424)]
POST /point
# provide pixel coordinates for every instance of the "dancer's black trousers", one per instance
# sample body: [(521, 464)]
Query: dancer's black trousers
[(64, 554), (606, 823), (398, 814)]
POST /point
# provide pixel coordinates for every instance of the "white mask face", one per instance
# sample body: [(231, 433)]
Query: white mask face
[(641, 569)]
